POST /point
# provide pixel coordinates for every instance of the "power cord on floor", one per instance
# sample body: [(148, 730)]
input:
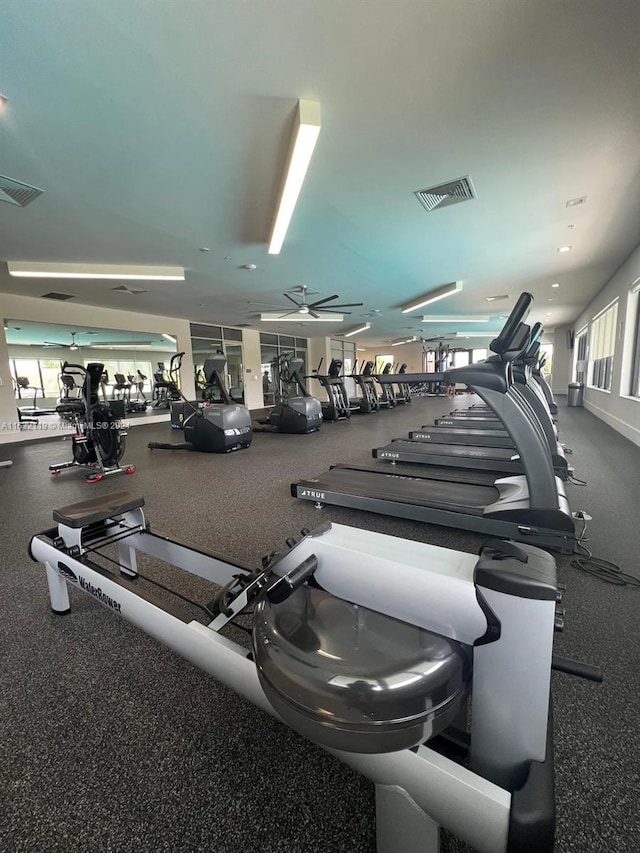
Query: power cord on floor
[(576, 480), (605, 570)]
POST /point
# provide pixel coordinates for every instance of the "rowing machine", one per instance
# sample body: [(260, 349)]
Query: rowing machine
[(371, 647)]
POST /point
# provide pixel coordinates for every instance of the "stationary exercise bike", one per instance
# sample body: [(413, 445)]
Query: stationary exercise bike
[(99, 442), (373, 647), (296, 411)]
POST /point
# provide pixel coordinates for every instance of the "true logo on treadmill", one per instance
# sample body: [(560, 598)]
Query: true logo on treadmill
[(386, 454), (308, 493)]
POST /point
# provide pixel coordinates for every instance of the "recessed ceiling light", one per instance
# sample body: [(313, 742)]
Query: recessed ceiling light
[(555, 284), (551, 299), (574, 202), (497, 298), (204, 249), (563, 249), (250, 267), (3, 100)]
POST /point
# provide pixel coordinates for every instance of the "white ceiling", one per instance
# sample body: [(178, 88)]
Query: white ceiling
[(157, 128)]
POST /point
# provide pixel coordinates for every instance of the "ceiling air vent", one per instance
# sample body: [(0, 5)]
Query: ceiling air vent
[(15, 192), (60, 296), (446, 194), (132, 291)]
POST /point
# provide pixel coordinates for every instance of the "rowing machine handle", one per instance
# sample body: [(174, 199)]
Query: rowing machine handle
[(284, 586)]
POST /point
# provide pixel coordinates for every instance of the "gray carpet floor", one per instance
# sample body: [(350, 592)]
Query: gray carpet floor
[(110, 742)]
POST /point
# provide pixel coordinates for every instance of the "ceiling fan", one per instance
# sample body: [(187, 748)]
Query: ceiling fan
[(312, 309), (73, 346)]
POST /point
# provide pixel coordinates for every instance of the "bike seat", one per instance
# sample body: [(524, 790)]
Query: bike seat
[(70, 407)]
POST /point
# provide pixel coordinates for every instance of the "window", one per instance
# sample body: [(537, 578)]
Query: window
[(207, 340), (381, 360), (461, 358), (546, 355), (603, 341), (271, 346), (345, 351), (635, 374), (478, 355)]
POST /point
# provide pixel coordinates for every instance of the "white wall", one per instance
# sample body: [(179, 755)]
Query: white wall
[(617, 408), (562, 361)]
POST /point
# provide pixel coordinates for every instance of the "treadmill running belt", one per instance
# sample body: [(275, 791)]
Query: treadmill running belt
[(456, 497), (420, 448)]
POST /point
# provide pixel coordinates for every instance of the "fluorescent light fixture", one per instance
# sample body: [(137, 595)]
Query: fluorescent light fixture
[(432, 296), (429, 318), (303, 140), (401, 341), (556, 284), (356, 330), (563, 249), (486, 334), (169, 338), (574, 202), (296, 317), (31, 269)]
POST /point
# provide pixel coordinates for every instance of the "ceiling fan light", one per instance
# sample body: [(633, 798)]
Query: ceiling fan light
[(432, 296), (294, 317)]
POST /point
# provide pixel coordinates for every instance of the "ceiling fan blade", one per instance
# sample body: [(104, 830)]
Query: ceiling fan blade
[(291, 299), (313, 314), (343, 305), (322, 301), (330, 311), (54, 344)]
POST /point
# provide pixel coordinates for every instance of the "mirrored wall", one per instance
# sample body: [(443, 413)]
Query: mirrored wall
[(38, 351)]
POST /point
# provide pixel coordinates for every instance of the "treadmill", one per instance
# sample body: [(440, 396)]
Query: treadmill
[(530, 508), (502, 457)]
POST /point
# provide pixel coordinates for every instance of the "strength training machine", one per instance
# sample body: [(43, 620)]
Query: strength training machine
[(371, 646)]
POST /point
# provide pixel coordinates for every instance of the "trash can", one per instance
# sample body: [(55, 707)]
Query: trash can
[(575, 394)]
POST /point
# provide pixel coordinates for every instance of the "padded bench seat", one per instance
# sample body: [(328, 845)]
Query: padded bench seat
[(95, 510)]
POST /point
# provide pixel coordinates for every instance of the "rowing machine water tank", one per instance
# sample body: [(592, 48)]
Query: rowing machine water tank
[(350, 678)]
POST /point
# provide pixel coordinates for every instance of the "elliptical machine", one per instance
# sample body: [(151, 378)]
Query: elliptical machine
[(296, 411), (338, 406), (215, 424), (99, 441), (166, 383)]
